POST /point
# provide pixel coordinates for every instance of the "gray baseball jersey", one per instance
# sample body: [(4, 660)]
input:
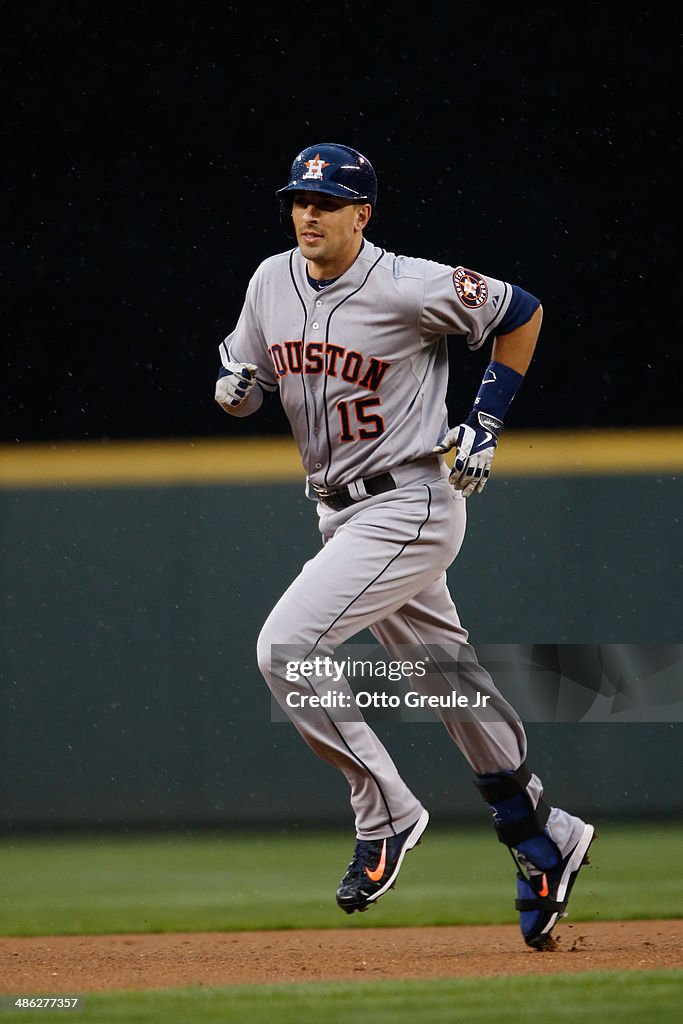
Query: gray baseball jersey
[(362, 364)]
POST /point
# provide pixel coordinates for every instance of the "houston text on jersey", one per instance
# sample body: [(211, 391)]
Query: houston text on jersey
[(333, 360)]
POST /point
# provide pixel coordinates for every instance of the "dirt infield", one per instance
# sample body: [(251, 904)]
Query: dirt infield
[(77, 964)]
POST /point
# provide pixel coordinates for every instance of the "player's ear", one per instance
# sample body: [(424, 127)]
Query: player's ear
[(363, 215)]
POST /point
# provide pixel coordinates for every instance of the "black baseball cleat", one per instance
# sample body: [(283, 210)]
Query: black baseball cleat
[(375, 866), (543, 895)]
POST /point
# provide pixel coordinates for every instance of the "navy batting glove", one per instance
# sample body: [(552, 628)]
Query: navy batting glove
[(475, 443)]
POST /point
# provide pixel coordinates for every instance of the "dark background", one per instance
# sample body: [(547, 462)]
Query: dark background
[(144, 142)]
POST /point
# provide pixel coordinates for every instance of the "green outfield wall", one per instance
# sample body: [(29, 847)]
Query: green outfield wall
[(130, 693)]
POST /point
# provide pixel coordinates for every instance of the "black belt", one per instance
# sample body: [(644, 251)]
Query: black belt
[(340, 498)]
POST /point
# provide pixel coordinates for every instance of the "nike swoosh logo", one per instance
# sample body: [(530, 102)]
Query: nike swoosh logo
[(375, 875), (487, 438), (545, 890), (490, 380)]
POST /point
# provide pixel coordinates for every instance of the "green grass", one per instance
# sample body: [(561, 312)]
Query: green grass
[(206, 883), (654, 997)]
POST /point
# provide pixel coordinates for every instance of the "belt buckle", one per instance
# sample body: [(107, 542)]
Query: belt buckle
[(324, 493)]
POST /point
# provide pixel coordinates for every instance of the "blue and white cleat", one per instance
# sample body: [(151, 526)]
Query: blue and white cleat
[(543, 895)]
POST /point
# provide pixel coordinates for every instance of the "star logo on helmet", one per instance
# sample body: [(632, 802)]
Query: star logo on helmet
[(315, 168)]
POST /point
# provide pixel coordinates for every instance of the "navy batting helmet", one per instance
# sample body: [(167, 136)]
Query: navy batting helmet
[(330, 168)]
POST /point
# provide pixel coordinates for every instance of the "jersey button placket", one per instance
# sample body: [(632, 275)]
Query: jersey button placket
[(317, 412)]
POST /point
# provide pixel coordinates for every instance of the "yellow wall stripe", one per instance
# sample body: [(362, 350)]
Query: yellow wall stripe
[(256, 460)]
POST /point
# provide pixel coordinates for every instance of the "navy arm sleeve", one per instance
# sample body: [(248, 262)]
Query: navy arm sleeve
[(522, 307)]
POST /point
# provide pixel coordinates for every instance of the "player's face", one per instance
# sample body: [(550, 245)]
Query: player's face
[(329, 231)]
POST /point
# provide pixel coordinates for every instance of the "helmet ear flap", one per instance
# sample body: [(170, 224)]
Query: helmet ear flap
[(286, 203)]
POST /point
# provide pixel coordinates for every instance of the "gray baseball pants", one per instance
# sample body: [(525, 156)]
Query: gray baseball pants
[(383, 567)]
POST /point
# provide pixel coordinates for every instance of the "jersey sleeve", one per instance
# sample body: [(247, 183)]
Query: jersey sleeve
[(247, 344), (461, 301)]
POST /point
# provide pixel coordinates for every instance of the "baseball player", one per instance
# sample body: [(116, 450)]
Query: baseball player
[(355, 340)]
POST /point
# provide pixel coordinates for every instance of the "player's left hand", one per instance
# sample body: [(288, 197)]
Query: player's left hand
[(475, 443)]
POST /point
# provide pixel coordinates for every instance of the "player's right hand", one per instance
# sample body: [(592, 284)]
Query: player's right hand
[(233, 388)]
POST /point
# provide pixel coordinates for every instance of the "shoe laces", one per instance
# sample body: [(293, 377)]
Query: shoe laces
[(365, 851), (524, 866)]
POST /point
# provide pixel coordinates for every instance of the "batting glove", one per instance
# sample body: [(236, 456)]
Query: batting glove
[(236, 383), (475, 443)]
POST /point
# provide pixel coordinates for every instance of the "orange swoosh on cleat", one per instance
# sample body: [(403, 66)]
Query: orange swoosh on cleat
[(375, 875), (544, 890)]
